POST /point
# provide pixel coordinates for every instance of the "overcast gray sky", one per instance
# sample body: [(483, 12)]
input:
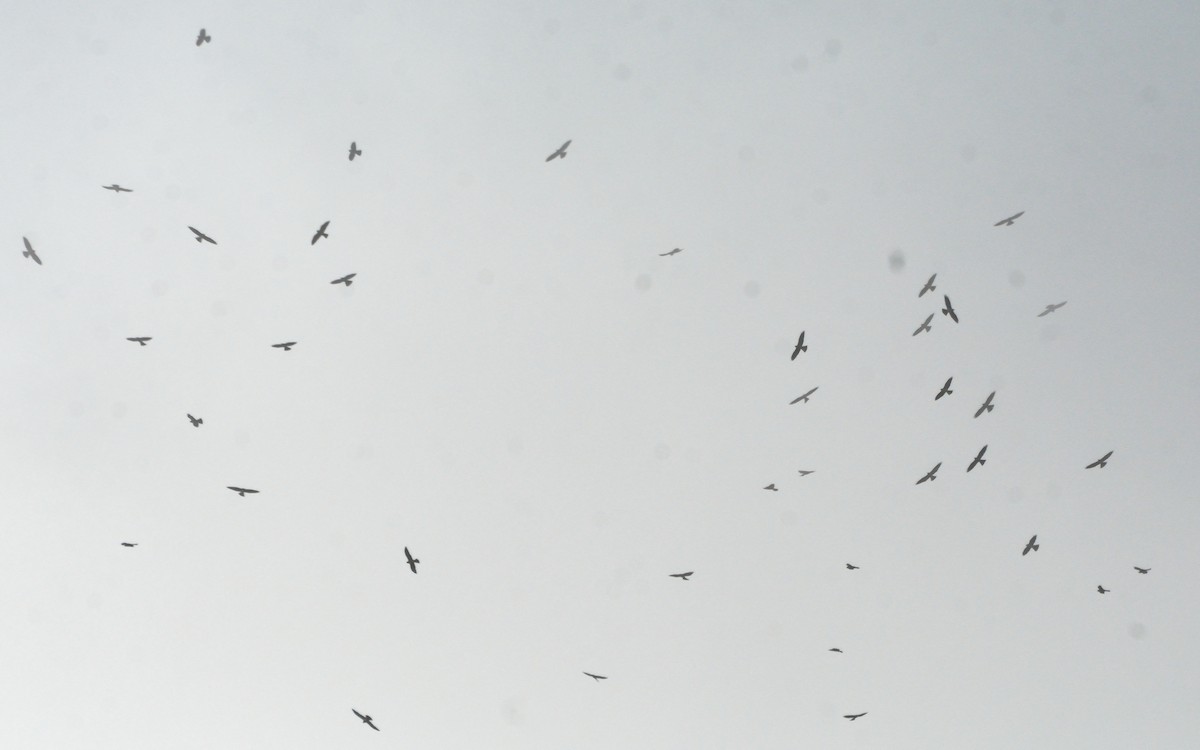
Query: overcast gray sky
[(554, 418)]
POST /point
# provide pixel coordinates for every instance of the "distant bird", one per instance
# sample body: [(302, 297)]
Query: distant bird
[(771, 487), (1009, 221), (806, 472), (1051, 308), (851, 567), (949, 309), (925, 326), (320, 233), (196, 421), (931, 475), (354, 150), (800, 347), (1031, 545), (201, 38), (201, 236), (803, 398), (1103, 590), (286, 346), (676, 251), (347, 279), (852, 717), (1101, 462), (128, 544), (561, 153), (979, 459), (1143, 571), (242, 491), (929, 287), (140, 339), (987, 404), (596, 677), (412, 561), (945, 389), (366, 719), (30, 253), (836, 649), (683, 576), (116, 188)]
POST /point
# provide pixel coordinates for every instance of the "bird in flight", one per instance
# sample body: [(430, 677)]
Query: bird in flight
[(1009, 221), (320, 233), (1031, 545), (1103, 590), (140, 339), (931, 475), (676, 251), (771, 487), (365, 719), (979, 459), (201, 38), (683, 576), (851, 567), (805, 472), (128, 544), (354, 150), (852, 717), (196, 421), (1143, 571), (803, 398), (347, 279), (987, 405), (1101, 462), (412, 561), (30, 253), (286, 346), (201, 236), (949, 309), (929, 287), (924, 326), (836, 649), (945, 389), (116, 188), (800, 347), (596, 677), (560, 153), (242, 491), (1051, 308)]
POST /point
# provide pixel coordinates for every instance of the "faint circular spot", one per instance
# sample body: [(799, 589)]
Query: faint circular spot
[(516, 446), (553, 94), (95, 601), (466, 179), (643, 282), (1149, 94), (752, 289), (896, 261), (98, 47), (866, 374), (218, 309), (172, 192), (241, 437), (599, 518), (99, 122), (1057, 16), (1015, 495), (1053, 491), (552, 26), (1049, 333), (929, 38), (799, 63), (788, 518), (511, 711), (148, 234), (1137, 630), (363, 451), (665, 24), (1016, 278), (119, 409), (820, 196), (662, 451), (637, 11), (622, 72), (486, 276), (158, 288), (76, 408), (833, 48), (279, 262), (968, 153), (835, 109), (746, 153)]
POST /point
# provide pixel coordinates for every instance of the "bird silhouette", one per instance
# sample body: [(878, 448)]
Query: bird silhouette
[(128, 544), (201, 38), (771, 487), (196, 421), (1103, 590), (412, 561), (1009, 221), (30, 252), (851, 567), (116, 188), (286, 346), (1051, 308), (347, 279), (806, 472), (683, 576), (979, 459), (949, 309), (1031, 545), (804, 397), (838, 650), (365, 719), (595, 677), (945, 389), (1101, 462), (354, 150), (242, 491), (201, 236), (987, 405), (1143, 571), (320, 233), (561, 153), (929, 287), (675, 251), (141, 340), (925, 326), (931, 474), (852, 717), (800, 347)]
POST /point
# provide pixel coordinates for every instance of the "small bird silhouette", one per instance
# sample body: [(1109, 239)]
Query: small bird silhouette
[(800, 347), (201, 236), (561, 153), (354, 150), (804, 397), (806, 472), (1143, 571), (286, 346), (242, 491), (1051, 308), (945, 389), (1031, 545), (1101, 462), (595, 677), (949, 309), (412, 561), (365, 719), (851, 567), (925, 326), (852, 717), (931, 474), (201, 38), (987, 405), (1103, 590), (683, 576), (1009, 221), (347, 279), (676, 251), (836, 649), (30, 253), (196, 421), (128, 544), (979, 459), (140, 339), (320, 233), (929, 287), (771, 487), (116, 188)]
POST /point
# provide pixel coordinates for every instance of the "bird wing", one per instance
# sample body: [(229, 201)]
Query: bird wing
[(356, 713), (1049, 309), (1094, 464), (324, 226), (564, 146), (371, 724)]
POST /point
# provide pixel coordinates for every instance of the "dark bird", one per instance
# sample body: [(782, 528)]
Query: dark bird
[(201, 38), (201, 236), (803, 398), (1101, 462), (347, 279), (412, 561), (929, 287), (196, 421), (851, 567), (805, 472), (1051, 308), (595, 677), (676, 251), (945, 389), (683, 576), (140, 339), (852, 717), (366, 720), (320, 233), (1103, 590), (1143, 571), (987, 404), (771, 487), (560, 153), (1009, 221), (128, 544), (924, 326), (242, 491), (1031, 545), (286, 346), (30, 253), (800, 347), (116, 188), (949, 309), (354, 150), (836, 649), (979, 459), (931, 475)]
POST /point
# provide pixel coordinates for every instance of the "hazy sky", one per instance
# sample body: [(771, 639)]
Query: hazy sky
[(553, 417)]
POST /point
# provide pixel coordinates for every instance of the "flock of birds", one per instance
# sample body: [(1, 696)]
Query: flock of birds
[(801, 347)]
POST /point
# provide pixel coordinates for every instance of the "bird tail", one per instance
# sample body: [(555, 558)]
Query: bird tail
[(27, 253), (1036, 547), (804, 348), (349, 282), (982, 461)]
